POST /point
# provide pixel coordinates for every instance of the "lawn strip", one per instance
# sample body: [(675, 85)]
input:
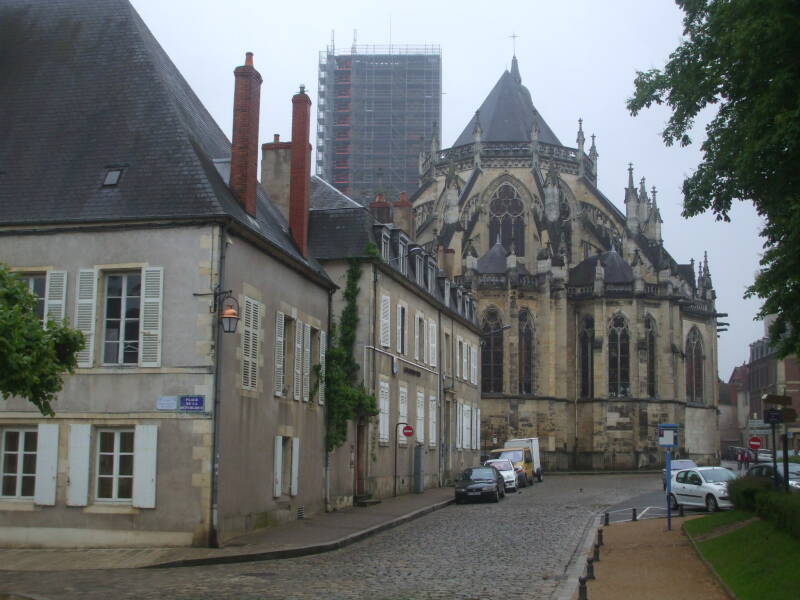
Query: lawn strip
[(701, 526)]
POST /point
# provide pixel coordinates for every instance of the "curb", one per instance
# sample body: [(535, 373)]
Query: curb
[(566, 590), (721, 583), (302, 550)]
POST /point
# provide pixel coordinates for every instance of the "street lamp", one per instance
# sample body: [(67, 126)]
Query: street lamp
[(226, 308)]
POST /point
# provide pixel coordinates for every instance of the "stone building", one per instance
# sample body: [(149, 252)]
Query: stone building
[(593, 334)]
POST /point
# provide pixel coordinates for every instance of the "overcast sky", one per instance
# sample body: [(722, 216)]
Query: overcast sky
[(577, 58)]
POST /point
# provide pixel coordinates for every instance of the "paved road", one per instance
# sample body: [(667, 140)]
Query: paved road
[(518, 548)]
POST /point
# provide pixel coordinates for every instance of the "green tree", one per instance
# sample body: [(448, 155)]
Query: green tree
[(33, 359), (742, 57)]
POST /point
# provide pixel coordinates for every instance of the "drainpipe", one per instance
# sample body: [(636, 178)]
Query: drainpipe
[(328, 507), (213, 533), (440, 407)]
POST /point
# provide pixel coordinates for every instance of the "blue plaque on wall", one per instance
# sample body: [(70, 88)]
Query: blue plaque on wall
[(192, 403)]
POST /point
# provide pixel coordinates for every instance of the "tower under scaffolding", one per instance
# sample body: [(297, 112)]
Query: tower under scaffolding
[(378, 106)]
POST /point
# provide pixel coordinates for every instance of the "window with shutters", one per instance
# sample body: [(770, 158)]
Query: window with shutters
[(432, 343), (251, 343), (474, 379), (402, 328), (18, 463), (460, 358), (306, 362), (467, 362), (402, 406), (36, 285), (386, 321), (420, 429), (114, 467), (433, 419), (122, 318), (279, 352), (383, 414), (419, 338), (460, 424), (467, 421), (478, 429), (318, 350)]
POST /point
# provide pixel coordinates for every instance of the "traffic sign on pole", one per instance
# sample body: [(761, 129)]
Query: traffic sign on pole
[(408, 431), (754, 443)]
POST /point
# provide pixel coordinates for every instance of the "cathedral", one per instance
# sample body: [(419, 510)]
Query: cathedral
[(592, 333)]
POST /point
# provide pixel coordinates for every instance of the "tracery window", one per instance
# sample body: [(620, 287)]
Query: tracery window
[(525, 353), (585, 357), (694, 366), (506, 219), (492, 352), (618, 358), (650, 342)]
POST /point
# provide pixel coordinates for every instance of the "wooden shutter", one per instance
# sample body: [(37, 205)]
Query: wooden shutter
[(55, 296), (474, 373), (457, 357), (478, 429), (400, 348), (145, 459), (250, 344), (459, 424), (152, 309), (386, 311), (323, 347), (295, 484), (279, 355), (416, 337), (467, 421), (420, 417), (78, 461), (432, 421), (85, 300), (298, 359), (383, 425), (432, 343), (465, 361), (46, 464), (277, 467), (402, 409), (306, 361)]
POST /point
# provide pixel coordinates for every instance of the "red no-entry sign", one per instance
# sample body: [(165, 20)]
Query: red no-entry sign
[(755, 443), (408, 431)]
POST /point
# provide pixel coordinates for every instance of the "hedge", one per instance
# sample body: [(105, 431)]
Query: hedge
[(756, 494)]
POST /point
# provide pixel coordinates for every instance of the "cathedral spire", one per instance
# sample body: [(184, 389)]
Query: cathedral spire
[(581, 140), (642, 191), (593, 157), (630, 176), (515, 69), (477, 131), (632, 202)]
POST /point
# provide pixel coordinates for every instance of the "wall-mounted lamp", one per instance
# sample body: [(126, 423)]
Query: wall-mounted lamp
[(226, 307)]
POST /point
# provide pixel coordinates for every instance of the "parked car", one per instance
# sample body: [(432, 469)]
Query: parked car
[(765, 470), (764, 455), (479, 482), (702, 486), (522, 460), (506, 470), (533, 444), (677, 465)]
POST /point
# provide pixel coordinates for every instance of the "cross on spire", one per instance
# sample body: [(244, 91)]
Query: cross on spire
[(514, 37)]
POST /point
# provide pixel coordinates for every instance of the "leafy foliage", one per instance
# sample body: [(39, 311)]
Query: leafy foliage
[(32, 359), (346, 397), (744, 491), (742, 56)]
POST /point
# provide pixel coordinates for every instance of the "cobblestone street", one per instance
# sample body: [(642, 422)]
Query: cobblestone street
[(517, 548)]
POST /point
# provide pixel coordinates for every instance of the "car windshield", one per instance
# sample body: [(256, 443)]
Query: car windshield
[(480, 473), (501, 465), (512, 455), (677, 465), (717, 475)]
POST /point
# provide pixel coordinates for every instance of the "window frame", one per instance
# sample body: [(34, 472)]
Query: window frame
[(120, 343), (30, 279), (402, 255), (116, 454), (20, 474), (619, 357)]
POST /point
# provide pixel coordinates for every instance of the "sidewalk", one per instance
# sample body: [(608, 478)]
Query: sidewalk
[(320, 533)]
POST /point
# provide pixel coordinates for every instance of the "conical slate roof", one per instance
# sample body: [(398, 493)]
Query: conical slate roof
[(494, 261), (507, 114), (616, 270)]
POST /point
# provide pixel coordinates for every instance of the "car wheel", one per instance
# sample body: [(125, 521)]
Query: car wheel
[(496, 496), (711, 504), (673, 502), (540, 476), (503, 491)]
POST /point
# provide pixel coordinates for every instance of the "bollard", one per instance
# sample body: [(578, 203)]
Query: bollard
[(634, 514), (589, 568), (605, 520), (582, 589), (600, 537), (680, 509), (596, 555)]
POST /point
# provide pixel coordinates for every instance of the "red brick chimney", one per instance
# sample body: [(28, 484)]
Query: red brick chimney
[(381, 209), (244, 146), (300, 170), (404, 215)]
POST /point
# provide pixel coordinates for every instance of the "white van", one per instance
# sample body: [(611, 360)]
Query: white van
[(533, 444)]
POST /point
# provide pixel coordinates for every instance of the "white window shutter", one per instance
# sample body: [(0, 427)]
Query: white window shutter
[(465, 363), (383, 425), (279, 356), (145, 459), (478, 429), (277, 467), (432, 343), (421, 417), (400, 328), (46, 464), (55, 296), (250, 343), (474, 373), (306, 361), (295, 485), (459, 424), (85, 300), (298, 359), (457, 357), (323, 347), (432, 421), (467, 427), (152, 309), (386, 312), (402, 409), (416, 337), (78, 460)]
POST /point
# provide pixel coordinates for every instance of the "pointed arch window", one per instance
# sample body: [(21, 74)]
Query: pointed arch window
[(585, 357), (492, 354), (650, 344), (694, 366), (525, 352), (506, 219), (618, 358)]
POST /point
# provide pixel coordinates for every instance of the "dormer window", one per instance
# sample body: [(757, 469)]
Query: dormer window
[(447, 292), (112, 177), (402, 251), (459, 301), (431, 277), (385, 247), (420, 270)]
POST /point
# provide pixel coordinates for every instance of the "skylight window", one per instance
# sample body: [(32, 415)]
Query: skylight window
[(112, 177)]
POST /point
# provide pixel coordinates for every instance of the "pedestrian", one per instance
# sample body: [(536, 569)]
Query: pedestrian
[(747, 459), (739, 460)]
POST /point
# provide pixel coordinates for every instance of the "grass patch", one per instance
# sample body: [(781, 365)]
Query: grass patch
[(757, 561), (703, 525)]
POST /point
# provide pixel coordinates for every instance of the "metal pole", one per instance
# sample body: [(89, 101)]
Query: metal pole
[(396, 444), (668, 475), (785, 460)]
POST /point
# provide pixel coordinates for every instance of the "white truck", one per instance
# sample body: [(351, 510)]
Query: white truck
[(533, 444)]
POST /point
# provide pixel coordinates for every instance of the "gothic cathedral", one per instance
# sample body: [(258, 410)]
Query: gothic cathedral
[(592, 333)]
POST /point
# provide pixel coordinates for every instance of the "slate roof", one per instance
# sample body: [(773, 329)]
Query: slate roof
[(85, 86), (507, 114), (340, 232), (325, 196), (616, 270), (494, 261)]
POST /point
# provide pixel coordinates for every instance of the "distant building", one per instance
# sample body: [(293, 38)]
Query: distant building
[(378, 107)]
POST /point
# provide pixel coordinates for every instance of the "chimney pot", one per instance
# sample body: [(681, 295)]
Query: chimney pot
[(244, 144), (248, 60), (299, 185)]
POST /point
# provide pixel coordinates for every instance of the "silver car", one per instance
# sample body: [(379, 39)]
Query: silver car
[(506, 469), (702, 486)]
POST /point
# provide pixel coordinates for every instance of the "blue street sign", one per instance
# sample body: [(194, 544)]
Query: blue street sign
[(772, 416), (192, 403)]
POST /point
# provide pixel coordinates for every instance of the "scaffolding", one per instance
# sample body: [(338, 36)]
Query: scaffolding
[(377, 108)]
